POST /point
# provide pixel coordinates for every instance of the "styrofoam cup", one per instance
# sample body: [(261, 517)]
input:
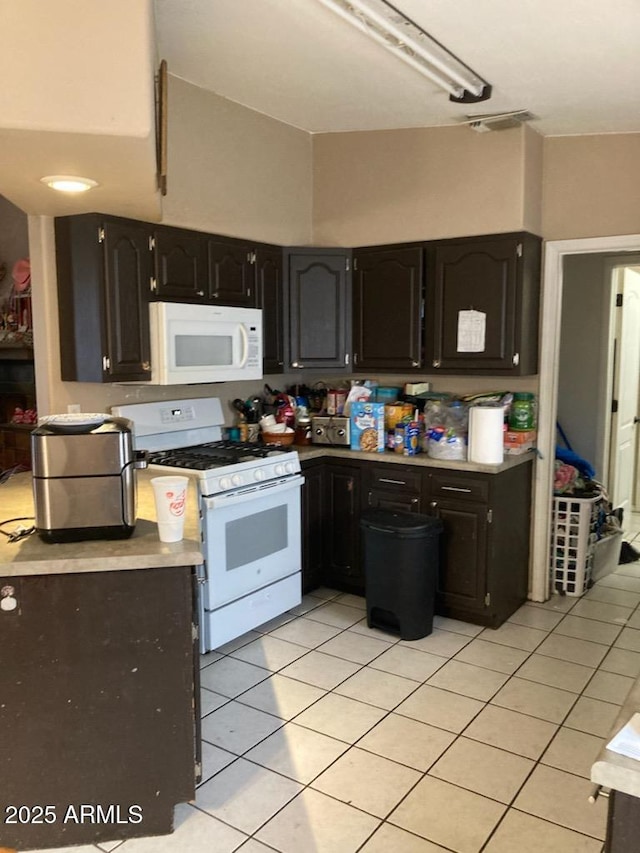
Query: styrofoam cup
[(170, 495)]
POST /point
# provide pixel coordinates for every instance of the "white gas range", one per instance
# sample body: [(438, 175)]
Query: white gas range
[(249, 502)]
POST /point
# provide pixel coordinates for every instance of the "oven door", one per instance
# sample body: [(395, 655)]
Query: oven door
[(251, 538)]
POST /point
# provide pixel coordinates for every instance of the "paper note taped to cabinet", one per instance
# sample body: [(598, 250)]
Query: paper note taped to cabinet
[(627, 741), (472, 327)]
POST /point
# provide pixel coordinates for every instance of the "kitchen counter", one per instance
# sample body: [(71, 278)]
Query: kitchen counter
[(32, 556), (319, 451), (612, 770), (97, 664), (622, 776)]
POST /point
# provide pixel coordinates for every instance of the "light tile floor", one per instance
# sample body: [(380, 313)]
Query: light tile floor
[(323, 735)]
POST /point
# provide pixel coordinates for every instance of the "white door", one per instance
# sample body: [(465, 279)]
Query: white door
[(626, 385)]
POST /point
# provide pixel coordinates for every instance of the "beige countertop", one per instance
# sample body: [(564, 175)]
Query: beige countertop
[(617, 771), (143, 550), (319, 451)]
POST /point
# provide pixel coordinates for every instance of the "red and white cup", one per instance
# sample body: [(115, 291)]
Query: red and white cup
[(170, 494)]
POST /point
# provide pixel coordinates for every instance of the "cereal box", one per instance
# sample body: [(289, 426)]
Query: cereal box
[(367, 427)]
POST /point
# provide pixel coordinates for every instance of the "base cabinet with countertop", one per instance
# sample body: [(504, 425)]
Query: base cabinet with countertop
[(99, 704), (484, 556)]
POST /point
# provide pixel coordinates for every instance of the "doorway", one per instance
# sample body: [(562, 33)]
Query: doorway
[(555, 254), (599, 366)]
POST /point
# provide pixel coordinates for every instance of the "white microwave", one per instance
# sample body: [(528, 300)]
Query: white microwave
[(204, 343)]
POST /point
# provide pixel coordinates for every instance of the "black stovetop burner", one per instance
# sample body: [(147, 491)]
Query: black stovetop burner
[(214, 454)]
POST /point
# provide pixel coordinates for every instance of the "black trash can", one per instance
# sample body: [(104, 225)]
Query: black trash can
[(401, 560)]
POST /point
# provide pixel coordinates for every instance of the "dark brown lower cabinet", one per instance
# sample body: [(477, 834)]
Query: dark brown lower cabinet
[(623, 823), (342, 566), (484, 547), (313, 525), (98, 706), (484, 555)]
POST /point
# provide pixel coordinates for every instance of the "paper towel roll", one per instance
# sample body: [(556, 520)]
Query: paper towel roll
[(486, 434)]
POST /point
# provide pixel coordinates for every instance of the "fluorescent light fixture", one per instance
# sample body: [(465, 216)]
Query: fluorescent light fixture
[(383, 23), (69, 183)]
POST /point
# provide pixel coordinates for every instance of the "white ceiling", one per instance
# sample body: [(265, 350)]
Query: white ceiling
[(573, 63)]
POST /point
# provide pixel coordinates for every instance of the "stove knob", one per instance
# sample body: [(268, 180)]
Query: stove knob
[(236, 480), (289, 468), (279, 470), (225, 483), (259, 474)]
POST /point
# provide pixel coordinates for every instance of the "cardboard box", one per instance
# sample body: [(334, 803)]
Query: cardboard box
[(525, 436), (517, 442), (367, 427)]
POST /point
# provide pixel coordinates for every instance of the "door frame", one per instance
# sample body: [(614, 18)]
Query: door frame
[(554, 253)]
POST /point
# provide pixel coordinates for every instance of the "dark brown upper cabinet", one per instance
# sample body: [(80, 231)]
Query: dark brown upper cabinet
[(387, 308), (231, 265), (270, 297), (180, 265), (483, 304), (104, 268), (319, 283)]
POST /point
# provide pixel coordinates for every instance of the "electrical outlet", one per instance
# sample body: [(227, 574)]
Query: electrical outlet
[(73, 408)]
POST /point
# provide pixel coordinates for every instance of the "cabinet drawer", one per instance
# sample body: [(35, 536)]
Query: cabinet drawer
[(446, 485), (395, 477)]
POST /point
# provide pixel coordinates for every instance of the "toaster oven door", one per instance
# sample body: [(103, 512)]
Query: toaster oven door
[(69, 503)]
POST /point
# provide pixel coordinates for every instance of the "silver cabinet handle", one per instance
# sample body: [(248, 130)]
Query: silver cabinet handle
[(199, 292), (436, 363), (455, 489), (433, 504), (395, 482), (599, 791), (415, 364), (297, 364)]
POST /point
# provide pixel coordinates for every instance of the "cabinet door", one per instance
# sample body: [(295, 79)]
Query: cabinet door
[(482, 315), (387, 308), (270, 297), (127, 272), (87, 664), (104, 271), (313, 498), (180, 265), (231, 272), (342, 537), (319, 310), (463, 546)]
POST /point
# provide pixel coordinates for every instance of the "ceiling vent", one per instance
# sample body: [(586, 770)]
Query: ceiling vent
[(498, 121)]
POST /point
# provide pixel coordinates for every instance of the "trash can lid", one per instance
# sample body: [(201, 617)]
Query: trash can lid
[(406, 524)]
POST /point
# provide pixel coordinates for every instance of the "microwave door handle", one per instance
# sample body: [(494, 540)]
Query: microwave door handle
[(245, 345)]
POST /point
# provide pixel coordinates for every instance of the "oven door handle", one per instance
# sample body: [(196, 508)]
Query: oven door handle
[(252, 492)]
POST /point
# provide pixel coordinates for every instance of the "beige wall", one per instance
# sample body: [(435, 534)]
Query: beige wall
[(80, 66), (590, 186), (234, 171), (423, 183)]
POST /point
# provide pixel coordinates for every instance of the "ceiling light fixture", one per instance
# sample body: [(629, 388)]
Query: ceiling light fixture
[(390, 28), (69, 183)]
